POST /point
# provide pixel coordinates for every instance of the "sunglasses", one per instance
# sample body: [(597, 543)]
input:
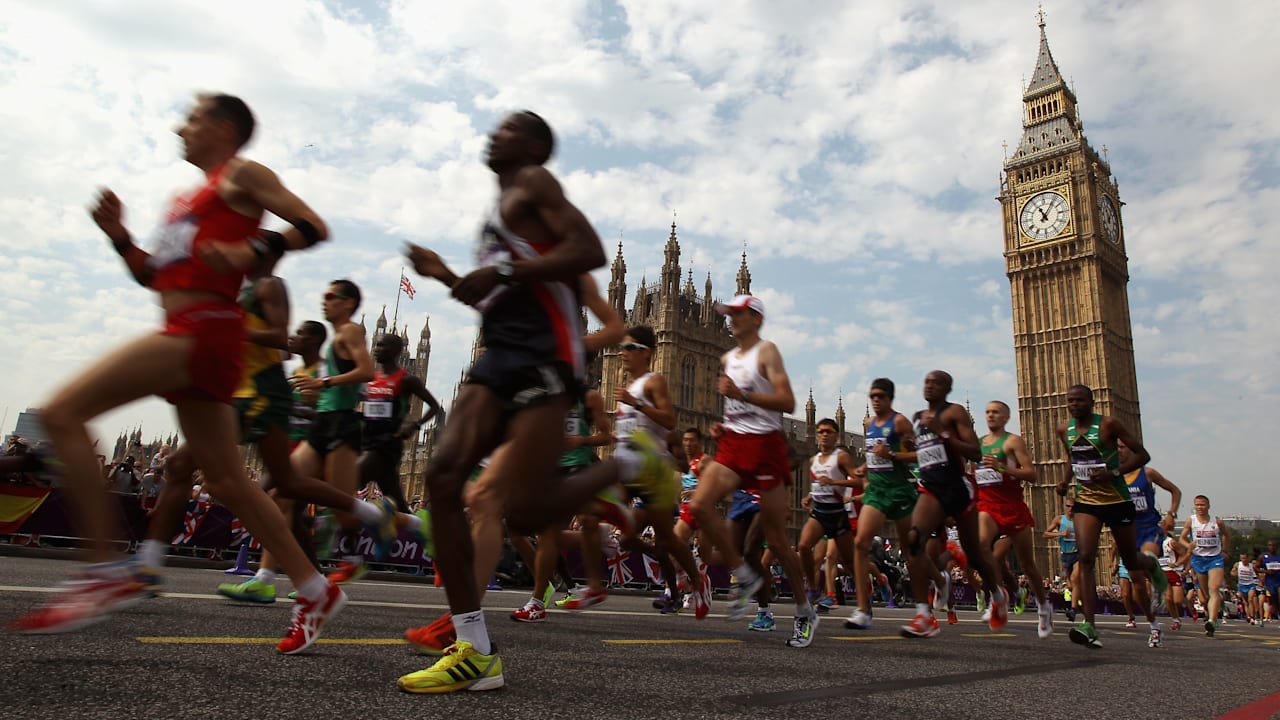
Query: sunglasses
[(335, 296), (633, 346)]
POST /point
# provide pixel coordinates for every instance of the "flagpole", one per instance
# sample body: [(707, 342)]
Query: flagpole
[(399, 289)]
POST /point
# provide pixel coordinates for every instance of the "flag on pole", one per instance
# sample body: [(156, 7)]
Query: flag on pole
[(406, 286)]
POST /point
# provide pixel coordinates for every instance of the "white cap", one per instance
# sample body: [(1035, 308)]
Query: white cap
[(749, 302)]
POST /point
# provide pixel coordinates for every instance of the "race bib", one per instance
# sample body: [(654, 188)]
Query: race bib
[(172, 241), (1210, 541), (1166, 561), (1273, 567), (571, 424), (1083, 472), (625, 426), (377, 409), (876, 463), (490, 251), (1140, 502), (931, 455), (989, 476)]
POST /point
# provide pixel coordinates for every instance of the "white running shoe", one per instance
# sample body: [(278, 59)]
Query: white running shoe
[(858, 620), (1045, 627)]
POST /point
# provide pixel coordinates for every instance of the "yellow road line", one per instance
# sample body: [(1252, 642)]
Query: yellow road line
[(988, 635), (865, 638), (261, 641), (711, 641)]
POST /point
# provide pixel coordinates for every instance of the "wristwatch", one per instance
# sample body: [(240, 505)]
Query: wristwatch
[(506, 271)]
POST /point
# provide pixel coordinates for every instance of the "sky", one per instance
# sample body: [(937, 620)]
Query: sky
[(854, 148)]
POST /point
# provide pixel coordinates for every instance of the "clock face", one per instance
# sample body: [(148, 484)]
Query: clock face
[(1044, 216), (1110, 219)]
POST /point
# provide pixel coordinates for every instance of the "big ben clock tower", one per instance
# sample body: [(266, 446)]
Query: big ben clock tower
[(1064, 249)]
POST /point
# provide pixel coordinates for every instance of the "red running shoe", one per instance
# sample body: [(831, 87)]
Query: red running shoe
[(433, 639), (586, 600), (83, 601), (309, 618), (530, 614), (347, 572), (921, 626)]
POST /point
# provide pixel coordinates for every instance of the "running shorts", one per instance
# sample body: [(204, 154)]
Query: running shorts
[(1069, 561), (1149, 534), (1246, 589), (760, 461), (955, 495), (686, 515), (1011, 517), (216, 360), (522, 386), (331, 430), (1202, 564), (895, 500), (1175, 578), (269, 406), (387, 449), (744, 507), (834, 524), (1112, 515)]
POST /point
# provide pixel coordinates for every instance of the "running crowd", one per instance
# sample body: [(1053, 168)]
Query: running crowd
[(518, 454)]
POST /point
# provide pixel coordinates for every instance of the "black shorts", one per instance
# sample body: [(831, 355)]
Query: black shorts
[(834, 524), (955, 494), (1069, 561), (331, 430), (1113, 515), (388, 449), (523, 386)]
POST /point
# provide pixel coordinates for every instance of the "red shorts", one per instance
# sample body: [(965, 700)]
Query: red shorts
[(687, 516), (1175, 578), (217, 358), (759, 460), (1011, 517)]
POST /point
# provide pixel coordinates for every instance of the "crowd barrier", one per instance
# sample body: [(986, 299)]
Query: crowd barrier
[(208, 527)]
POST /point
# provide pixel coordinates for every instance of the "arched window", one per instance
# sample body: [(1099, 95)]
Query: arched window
[(687, 373)]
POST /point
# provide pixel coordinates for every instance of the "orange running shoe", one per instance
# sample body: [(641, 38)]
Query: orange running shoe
[(921, 626), (347, 572), (433, 639)]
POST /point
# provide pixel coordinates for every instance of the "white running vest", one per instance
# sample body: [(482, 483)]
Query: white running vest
[(1206, 541), (824, 493), (1245, 574), (742, 417), (630, 420), (1168, 556)]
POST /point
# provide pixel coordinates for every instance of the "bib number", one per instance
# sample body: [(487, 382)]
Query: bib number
[(1207, 542), (989, 476), (931, 455), (1273, 567), (571, 424), (1084, 472), (1140, 503), (875, 463), (172, 242), (1166, 562), (377, 409)]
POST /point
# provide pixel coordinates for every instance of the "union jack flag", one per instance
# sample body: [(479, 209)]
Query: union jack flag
[(406, 286), (240, 534), (619, 573), (195, 516)]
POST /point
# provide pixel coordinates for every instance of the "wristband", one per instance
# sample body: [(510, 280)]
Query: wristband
[(746, 396), (325, 383), (309, 232)]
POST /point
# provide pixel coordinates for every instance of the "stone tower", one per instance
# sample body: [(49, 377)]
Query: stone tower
[(691, 337), (1064, 248)]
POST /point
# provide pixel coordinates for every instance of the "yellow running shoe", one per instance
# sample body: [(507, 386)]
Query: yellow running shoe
[(461, 668)]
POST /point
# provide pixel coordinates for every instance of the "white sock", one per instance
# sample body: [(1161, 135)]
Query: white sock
[(265, 576), (366, 512), (470, 627), (535, 602), (924, 609), (152, 553), (744, 573), (315, 588), (804, 610), (1155, 624)]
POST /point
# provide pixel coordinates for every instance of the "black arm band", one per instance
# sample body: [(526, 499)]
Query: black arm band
[(309, 232), (268, 241)]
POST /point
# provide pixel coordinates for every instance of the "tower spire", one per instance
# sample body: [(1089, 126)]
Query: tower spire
[(744, 275), (618, 282)]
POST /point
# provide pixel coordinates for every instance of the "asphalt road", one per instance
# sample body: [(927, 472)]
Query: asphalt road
[(191, 654)]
